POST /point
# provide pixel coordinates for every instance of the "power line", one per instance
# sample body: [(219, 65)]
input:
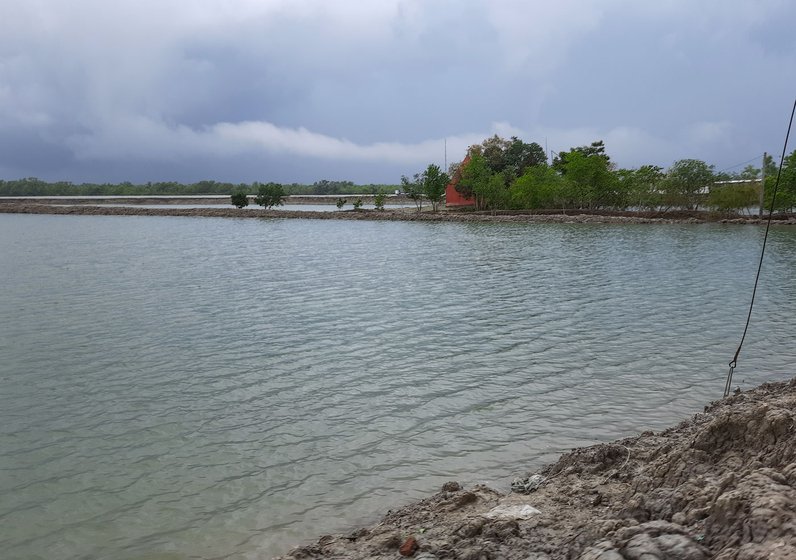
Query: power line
[(740, 164)]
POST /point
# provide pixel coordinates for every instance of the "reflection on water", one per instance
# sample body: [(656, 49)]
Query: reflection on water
[(216, 388)]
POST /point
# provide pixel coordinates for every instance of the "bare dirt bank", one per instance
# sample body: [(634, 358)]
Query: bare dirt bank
[(399, 214), (721, 484)]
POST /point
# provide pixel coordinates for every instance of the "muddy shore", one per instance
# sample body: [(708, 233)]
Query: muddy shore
[(721, 484), (395, 214)]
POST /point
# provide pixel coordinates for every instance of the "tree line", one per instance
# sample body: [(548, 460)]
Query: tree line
[(33, 186), (501, 174)]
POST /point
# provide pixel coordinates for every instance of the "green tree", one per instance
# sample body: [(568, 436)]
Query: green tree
[(378, 201), (494, 151), (749, 172), (239, 199), (639, 188), (687, 184), (340, 203), (434, 183), (786, 192), (539, 187), (591, 182), (493, 193), (475, 179), (413, 188), (520, 156), (326, 186), (730, 198), (357, 203), (269, 195), (595, 149)]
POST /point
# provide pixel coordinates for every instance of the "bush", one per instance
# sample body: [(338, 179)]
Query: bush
[(270, 194), (240, 199)]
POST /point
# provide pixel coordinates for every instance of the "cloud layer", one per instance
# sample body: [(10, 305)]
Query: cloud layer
[(300, 90)]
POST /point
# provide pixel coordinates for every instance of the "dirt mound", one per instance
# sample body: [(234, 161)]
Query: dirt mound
[(11, 206), (719, 485)]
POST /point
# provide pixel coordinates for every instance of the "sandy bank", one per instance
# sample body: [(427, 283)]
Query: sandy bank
[(721, 484), (400, 214)]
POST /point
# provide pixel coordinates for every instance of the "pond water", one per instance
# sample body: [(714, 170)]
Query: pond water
[(228, 388)]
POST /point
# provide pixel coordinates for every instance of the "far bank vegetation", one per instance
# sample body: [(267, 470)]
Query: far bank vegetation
[(501, 174)]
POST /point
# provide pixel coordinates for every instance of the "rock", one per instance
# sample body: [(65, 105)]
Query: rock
[(474, 553), (464, 499), (527, 485), (519, 511), (718, 485), (451, 486), (388, 541), (679, 547), (642, 547), (409, 547), (471, 528), (601, 551), (501, 530)]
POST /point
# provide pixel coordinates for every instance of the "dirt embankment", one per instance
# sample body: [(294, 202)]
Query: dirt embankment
[(395, 214), (719, 485)]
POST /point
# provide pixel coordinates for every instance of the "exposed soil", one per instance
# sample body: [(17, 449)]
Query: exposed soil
[(721, 484), (395, 214)]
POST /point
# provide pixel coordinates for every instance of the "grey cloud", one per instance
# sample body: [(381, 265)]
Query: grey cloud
[(303, 89)]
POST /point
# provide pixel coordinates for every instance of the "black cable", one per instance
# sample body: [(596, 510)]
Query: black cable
[(734, 361)]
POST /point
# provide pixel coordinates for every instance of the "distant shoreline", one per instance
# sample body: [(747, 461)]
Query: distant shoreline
[(397, 214)]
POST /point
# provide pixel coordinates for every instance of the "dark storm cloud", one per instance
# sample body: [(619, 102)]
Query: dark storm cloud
[(301, 90)]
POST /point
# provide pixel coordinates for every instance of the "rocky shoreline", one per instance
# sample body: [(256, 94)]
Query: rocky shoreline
[(721, 484), (395, 214)]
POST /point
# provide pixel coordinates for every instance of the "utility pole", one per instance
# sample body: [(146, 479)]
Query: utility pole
[(763, 185)]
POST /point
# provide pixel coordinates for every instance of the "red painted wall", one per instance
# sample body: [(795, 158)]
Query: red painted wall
[(452, 196)]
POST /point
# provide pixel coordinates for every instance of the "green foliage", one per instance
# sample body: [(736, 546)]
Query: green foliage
[(732, 197), (591, 184), (509, 157), (494, 151), (495, 196), (539, 187), (639, 188), (269, 195), (340, 203), (687, 183), (413, 188), (476, 175), (519, 156), (332, 187), (786, 193), (379, 200), (749, 172), (32, 186), (595, 149), (239, 199), (434, 182), (357, 204)]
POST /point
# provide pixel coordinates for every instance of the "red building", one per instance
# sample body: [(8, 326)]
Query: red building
[(452, 196)]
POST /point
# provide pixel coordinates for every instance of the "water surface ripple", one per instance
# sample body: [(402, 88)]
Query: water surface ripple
[(176, 388)]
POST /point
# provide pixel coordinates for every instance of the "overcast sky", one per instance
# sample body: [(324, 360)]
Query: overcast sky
[(302, 90)]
